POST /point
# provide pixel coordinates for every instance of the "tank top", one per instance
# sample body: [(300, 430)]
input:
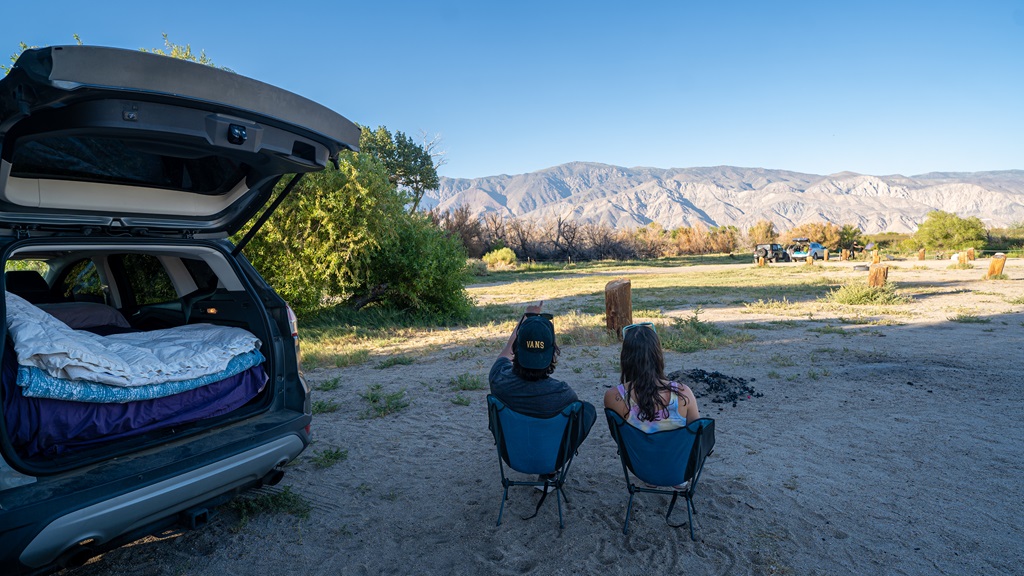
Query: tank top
[(667, 419)]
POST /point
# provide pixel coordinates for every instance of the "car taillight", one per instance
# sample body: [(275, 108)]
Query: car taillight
[(293, 327), (293, 322)]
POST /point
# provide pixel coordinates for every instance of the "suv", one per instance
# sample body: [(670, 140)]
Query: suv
[(771, 253), (804, 248), (122, 175)]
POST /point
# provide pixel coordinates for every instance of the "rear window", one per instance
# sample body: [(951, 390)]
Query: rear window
[(148, 279), (122, 161), (201, 273), (82, 283)]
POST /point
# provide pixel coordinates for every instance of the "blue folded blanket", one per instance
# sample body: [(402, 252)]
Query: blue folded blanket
[(36, 383)]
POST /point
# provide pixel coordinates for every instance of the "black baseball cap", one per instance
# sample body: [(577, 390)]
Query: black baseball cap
[(535, 343)]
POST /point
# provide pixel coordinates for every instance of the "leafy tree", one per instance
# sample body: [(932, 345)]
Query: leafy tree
[(692, 240), (181, 52), (462, 224), (415, 267), (763, 232), (343, 236), (317, 245), (410, 166), (22, 47), (824, 233), (946, 231), (651, 241), (724, 239), (849, 236)]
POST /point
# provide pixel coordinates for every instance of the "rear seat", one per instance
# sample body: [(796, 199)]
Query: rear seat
[(30, 285)]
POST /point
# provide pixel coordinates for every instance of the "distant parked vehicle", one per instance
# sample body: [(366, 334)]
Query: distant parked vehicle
[(802, 248), (771, 253)]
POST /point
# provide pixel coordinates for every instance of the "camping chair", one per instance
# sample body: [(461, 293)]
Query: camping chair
[(532, 445), (669, 458)]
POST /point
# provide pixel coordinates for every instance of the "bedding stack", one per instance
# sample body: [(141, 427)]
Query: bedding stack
[(71, 388)]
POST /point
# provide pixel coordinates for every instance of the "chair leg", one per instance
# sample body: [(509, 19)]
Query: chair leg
[(675, 495), (502, 509), (689, 514), (629, 508), (558, 499)]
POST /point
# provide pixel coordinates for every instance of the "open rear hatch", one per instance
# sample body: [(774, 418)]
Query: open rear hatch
[(96, 139)]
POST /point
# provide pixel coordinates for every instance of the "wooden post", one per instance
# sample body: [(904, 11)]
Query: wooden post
[(875, 258), (845, 255), (962, 257), (618, 305), (920, 254), (877, 275), (810, 260), (826, 255), (970, 253), (760, 262), (995, 267)]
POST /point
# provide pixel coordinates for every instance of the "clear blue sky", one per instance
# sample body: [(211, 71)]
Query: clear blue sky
[(877, 87)]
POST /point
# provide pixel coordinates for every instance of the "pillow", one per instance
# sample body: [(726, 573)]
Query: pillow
[(82, 315)]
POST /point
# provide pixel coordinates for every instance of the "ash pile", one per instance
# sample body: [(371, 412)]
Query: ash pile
[(721, 388)]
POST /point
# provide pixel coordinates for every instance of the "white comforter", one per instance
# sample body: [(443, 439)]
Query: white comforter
[(134, 359)]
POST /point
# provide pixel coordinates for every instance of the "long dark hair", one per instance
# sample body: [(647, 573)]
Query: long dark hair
[(643, 371)]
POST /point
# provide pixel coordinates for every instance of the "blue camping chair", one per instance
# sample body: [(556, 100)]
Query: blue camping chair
[(532, 445), (669, 458)]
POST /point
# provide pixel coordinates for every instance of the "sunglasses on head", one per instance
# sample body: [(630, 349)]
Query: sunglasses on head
[(541, 314), (631, 326)]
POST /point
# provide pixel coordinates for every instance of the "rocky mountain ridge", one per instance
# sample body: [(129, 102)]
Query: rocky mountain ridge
[(726, 195)]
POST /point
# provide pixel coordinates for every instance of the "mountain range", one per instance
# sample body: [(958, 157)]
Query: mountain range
[(730, 196)]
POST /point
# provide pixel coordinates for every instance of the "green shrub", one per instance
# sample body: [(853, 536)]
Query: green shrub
[(283, 502), (344, 235), (693, 334), (329, 457), (500, 259), (317, 243), (400, 360), (417, 268), (859, 294), (476, 267), (969, 318), (467, 382), (382, 403), (324, 406)]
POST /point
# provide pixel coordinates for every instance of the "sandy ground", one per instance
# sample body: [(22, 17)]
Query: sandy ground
[(884, 449)]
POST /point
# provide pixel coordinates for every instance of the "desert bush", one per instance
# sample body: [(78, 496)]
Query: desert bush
[(500, 259), (383, 403), (476, 267), (860, 294), (693, 334)]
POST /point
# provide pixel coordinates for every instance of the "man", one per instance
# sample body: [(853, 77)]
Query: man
[(521, 375)]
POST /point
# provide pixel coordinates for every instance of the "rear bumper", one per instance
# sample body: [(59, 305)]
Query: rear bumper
[(42, 533)]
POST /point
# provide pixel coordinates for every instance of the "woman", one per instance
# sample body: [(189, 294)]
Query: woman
[(645, 398)]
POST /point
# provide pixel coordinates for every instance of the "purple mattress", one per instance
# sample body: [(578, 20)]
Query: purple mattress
[(44, 427)]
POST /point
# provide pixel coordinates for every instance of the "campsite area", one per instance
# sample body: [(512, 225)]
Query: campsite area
[(876, 438)]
